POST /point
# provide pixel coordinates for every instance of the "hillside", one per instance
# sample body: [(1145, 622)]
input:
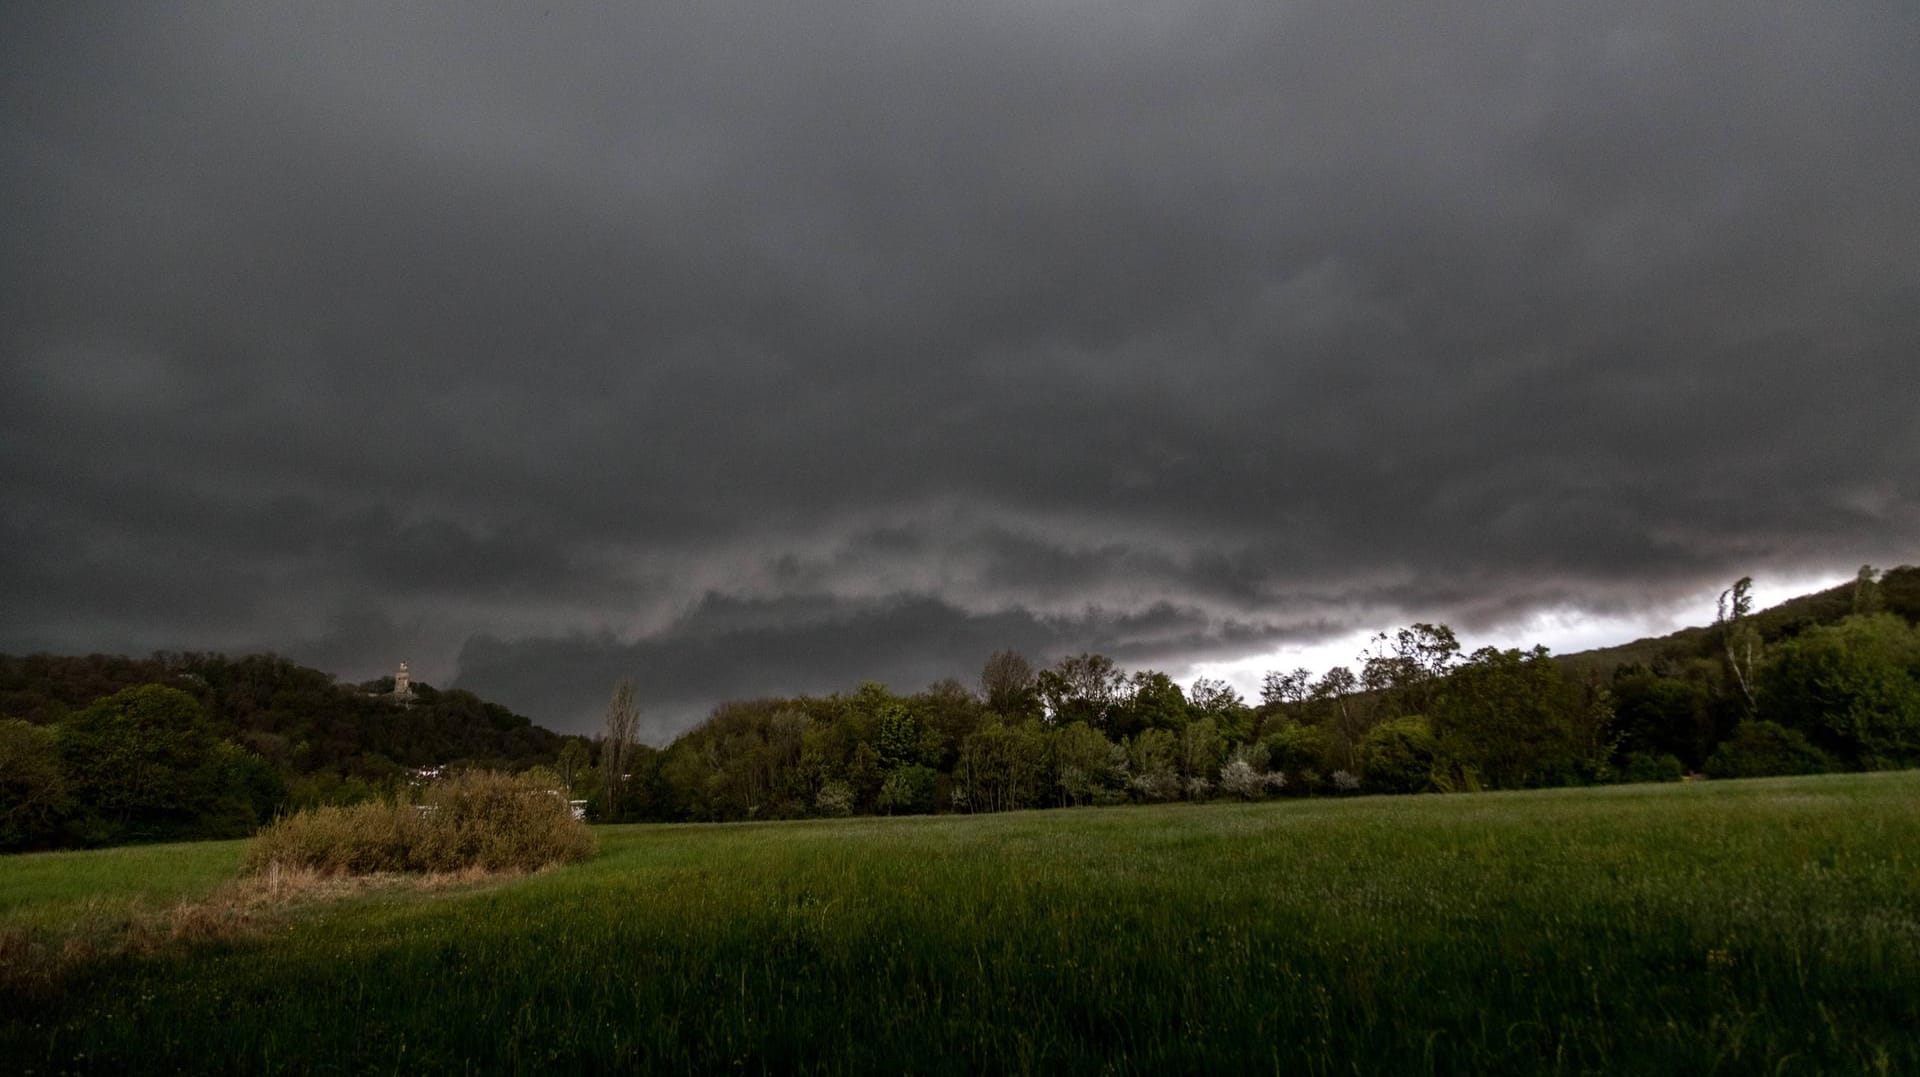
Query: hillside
[(302, 721), (1899, 590)]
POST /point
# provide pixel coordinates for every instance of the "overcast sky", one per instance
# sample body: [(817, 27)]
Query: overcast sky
[(750, 349)]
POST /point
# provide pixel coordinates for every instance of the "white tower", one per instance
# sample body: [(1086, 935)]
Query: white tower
[(402, 682)]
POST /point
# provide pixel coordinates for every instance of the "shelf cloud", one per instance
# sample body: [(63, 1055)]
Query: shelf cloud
[(748, 350)]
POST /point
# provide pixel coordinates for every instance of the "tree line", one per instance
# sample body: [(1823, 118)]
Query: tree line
[(99, 750), (1748, 696)]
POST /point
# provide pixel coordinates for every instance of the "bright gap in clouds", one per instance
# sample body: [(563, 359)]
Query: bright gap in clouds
[(1562, 631)]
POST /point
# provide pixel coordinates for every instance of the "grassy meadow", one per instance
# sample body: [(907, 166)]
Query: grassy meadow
[(1731, 927)]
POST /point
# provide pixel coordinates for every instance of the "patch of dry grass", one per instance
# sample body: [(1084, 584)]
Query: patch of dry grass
[(39, 959)]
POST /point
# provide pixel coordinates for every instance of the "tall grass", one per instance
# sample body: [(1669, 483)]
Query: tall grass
[(1727, 927), (484, 820)]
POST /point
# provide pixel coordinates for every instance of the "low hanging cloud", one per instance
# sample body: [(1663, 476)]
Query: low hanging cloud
[(746, 351)]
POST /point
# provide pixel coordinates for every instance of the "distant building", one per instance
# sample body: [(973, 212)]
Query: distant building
[(402, 683)]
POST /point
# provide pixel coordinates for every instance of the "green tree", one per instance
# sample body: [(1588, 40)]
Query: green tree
[(1658, 715), (907, 791), (33, 788), (1853, 688), (897, 736), (1513, 718), (1082, 688), (1407, 668), (1008, 687), (1341, 714), (1001, 767), (1282, 696), (1400, 755), (1866, 591), (573, 761), (1299, 751), (1201, 750), (1153, 701), (947, 713), (1083, 764), (1764, 749), (1153, 765), (144, 764), (1218, 700)]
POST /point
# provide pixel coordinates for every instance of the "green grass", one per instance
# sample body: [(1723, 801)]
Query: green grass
[(1730, 927), (46, 891)]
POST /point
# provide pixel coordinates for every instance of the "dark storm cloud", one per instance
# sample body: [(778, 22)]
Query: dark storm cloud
[(532, 342), (728, 648)]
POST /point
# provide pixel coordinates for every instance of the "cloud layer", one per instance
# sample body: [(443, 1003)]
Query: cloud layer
[(750, 352)]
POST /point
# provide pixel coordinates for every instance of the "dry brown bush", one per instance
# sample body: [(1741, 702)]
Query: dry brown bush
[(477, 820)]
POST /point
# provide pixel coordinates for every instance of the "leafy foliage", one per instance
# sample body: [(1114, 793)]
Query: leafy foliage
[(144, 764), (1762, 749), (33, 787), (1400, 755), (1853, 688)]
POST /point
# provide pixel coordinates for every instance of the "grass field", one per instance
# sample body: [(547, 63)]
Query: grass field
[(1732, 927)]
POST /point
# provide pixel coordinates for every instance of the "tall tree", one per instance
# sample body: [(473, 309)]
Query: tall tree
[(1739, 639), (573, 758), (1154, 701), (1333, 696), (1866, 591), (1406, 668), (1082, 688), (1279, 689), (1007, 685), (1513, 717), (616, 748)]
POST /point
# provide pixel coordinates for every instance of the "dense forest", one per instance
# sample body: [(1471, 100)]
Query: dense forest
[(216, 745), (222, 744)]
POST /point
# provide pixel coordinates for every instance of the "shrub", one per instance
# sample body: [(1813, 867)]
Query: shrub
[(907, 791), (1765, 749), (1239, 779), (495, 822), (33, 788), (1646, 767), (1243, 776), (1399, 756), (1297, 749), (836, 798), (1160, 783), (357, 839)]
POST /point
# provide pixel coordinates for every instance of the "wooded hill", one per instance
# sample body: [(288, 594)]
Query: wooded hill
[(1898, 592), (329, 740)]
